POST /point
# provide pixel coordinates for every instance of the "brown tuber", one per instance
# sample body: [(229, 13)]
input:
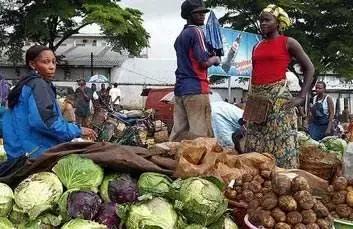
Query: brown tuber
[(339, 197), (340, 184), (294, 218), (259, 179), (230, 193), (349, 198), (281, 184), (247, 177), (320, 210), (278, 215), (309, 216), (259, 196), (255, 186), (343, 210), (269, 203), (299, 183), (304, 199), (312, 226), (262, 218), (266, 174), (287, 203), (267, 184), (300, 226), (248, 195), (253, 205), (282, 226), (323, 224)]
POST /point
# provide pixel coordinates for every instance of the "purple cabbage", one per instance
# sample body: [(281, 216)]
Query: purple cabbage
[(107, 216), (123, 189), (84, 205)]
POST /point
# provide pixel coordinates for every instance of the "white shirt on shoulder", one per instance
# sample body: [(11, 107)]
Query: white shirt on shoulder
[(114, 93)]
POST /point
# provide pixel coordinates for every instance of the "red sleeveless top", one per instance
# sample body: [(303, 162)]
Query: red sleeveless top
[(270, 60)]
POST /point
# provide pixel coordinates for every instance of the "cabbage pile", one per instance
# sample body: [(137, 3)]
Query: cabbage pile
[(79, 194), (330, 144)]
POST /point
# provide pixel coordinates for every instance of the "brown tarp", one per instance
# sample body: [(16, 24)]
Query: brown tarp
[(111, 156)]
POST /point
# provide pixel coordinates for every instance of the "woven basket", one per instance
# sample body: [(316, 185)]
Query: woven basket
[(317, 162)]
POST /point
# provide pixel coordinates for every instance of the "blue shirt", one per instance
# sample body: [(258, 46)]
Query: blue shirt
[(191, 51), (35, 123)]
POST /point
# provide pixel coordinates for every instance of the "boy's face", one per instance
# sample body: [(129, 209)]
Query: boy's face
[(198, 18)]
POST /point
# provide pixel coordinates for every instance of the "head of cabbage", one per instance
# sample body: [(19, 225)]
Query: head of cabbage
[(77, 172), (199, 200), (335, 144), (155, 213), (224, 222), (154, 183), (6, 199), (37, 193), (81, 223), (6, 224)]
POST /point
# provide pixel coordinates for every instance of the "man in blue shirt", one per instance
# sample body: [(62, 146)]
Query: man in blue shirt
[(192, 111)]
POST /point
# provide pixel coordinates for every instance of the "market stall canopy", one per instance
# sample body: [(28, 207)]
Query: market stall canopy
[(98, 79)]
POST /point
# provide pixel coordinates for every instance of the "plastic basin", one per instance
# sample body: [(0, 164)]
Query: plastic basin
[(343, 224)]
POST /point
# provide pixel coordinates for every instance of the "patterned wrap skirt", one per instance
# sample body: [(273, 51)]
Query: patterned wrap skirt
[(278, 135)]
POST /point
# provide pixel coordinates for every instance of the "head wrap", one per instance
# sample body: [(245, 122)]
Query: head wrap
[(281, 16), (191, 6)]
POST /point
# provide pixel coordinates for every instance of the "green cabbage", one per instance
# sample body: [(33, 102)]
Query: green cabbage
[(18, 215), (305, 140), (83, 224), (6, 224), (199, 200), (62, 204), (224, 223), (336, 145), (38, 193), (6, 199), (103, 189), (46, 220), (154, 183), (156, 213), (77, 172), (195, 226)]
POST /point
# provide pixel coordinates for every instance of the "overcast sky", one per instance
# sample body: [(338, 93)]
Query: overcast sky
[(162, 20)]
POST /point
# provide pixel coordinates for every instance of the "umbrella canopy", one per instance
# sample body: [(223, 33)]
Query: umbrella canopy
[(213, 35), (98, 79)]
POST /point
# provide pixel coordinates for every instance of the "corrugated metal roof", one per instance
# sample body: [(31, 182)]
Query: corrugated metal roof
[(81, 56)]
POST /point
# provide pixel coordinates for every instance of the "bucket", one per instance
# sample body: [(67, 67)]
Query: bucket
[(248, 224), (343, 224)]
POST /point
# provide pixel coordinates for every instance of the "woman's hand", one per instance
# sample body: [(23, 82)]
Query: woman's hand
[(293, 102), (89, 133)]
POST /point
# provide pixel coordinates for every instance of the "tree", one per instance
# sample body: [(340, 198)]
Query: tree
[(51, 22), (323, 27)]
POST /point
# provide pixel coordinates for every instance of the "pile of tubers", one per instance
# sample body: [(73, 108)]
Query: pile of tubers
[(275, 201), (339, 200)]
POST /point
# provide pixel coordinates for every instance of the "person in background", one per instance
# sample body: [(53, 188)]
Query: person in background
[(104, 96), (345, 115), (4, 91), (271, 58), (192, 110), (115, 96), (234, 101), (322, 113), (95, 98), (33, 123), (226, 100), (242, 103), (68, 108), (83, 96)]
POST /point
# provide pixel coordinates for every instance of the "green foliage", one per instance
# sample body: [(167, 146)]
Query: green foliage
[(51, 22), (323, 27)]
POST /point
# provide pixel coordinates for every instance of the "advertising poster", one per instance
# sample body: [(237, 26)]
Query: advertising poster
[(236, 61)]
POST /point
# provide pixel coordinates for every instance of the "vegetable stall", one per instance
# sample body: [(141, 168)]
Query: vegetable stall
[(194, 185)]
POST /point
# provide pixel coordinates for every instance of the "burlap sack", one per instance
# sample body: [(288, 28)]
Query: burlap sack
[(204, 157)]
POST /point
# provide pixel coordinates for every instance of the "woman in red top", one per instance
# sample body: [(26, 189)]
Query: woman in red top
[(271, 57)]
